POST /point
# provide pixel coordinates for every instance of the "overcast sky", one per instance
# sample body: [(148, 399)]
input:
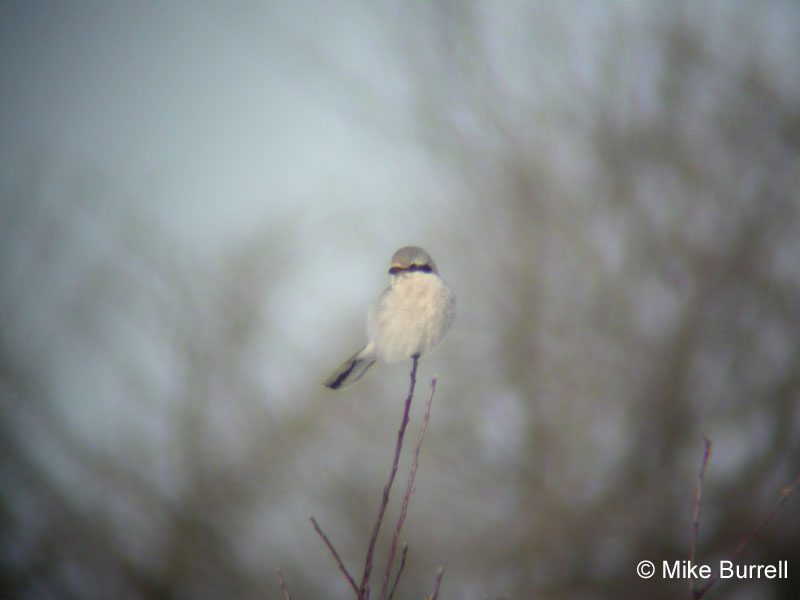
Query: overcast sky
[(225, 112)]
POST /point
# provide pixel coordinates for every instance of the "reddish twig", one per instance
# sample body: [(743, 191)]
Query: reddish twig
[(400, 570), (435, 594), (385, 499), (698, 497), (342, 568), (782, 498), (409, 490), (284, 589)]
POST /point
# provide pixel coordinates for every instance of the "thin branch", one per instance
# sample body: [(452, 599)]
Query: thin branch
[(342, 568), (400, 570), (782, 498), (697, 500), (385, 499), (409, 490), (284, 589), (435, 594)]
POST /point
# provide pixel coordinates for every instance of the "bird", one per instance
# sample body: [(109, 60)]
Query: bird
[(407, 320)]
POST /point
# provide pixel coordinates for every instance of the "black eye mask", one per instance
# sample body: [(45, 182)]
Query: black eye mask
[(410, 268)]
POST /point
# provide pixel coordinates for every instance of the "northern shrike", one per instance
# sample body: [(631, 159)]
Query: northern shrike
[(410, 317)]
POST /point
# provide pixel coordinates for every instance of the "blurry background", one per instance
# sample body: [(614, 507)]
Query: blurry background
[(200, 199)]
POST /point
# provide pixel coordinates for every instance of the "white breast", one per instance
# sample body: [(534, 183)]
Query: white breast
[(410, 317)]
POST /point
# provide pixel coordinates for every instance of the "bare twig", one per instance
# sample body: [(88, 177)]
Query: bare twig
[(409, 490), (435, 594), (342, 568), (697, 500), (782, 498), (362, 590), (385, 499), (284, 589), (399, 571)]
